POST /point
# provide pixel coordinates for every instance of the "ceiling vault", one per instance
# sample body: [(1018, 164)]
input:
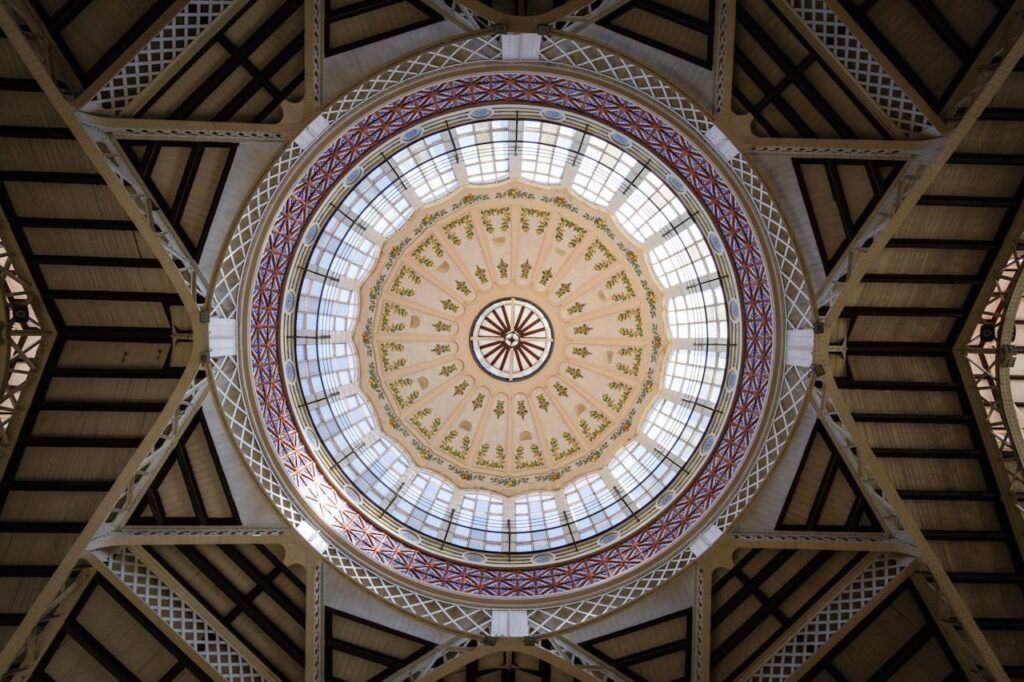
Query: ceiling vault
[(888, 540)]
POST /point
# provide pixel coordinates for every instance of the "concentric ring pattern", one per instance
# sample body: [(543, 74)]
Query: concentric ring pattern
[(446, 443), (511, 339), (714, 197)]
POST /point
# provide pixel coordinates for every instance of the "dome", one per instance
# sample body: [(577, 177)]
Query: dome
[(416, 223), (510, 335)]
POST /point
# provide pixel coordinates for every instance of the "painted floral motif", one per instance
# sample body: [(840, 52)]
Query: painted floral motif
[(472, 268)]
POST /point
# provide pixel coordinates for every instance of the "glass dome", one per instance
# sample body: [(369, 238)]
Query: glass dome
[(584, 437)]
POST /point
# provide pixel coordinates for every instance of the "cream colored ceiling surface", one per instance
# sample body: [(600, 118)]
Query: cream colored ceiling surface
[(431, 389)]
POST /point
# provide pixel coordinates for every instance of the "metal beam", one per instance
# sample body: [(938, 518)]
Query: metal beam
[(821, 626), (169, 607), (314, 621), (125, 188), (875, 481)]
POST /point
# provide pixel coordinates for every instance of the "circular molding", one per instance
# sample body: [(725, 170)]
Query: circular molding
[(412, 578), (511, 339)]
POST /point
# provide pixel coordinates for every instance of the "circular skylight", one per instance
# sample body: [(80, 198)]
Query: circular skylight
[(511, 337)]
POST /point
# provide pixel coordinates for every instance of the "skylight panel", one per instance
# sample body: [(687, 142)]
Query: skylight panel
[(427, 167), (697, 374), (603, 169), (376, 203), (387, 212), (650, 208), (342, 421), (478, 522), (485, 149), (678, 260), (699, 314), (324, 366), (544, 150), (352, 416), (325, 308), (665, 421), (376, 469), (641, 473), (354, 256), (537, 524), (592, 505), (423, 503), (676, 427)]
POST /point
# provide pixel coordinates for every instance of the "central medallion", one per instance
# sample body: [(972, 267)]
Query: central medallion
[(511, 339)]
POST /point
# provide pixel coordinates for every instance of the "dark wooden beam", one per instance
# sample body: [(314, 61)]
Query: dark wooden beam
[(893, 418), (674, 15), (945, 30), (994, 578), (948, 495), (66, 13), (676, 646), (383, 628), (882, 311), (989, 159), (33, 222), (106, 442), (118, 334), (824, 489), (99, 652), (639, 627), (19, 84), (940, 244), (749, 583), (36, 132), (905, 278), (214, 575), (378, 657), (896, 348), (223, 72), (929, 453), (902, 656), (51, 177), (382, 36), (355, 9), (273, 591), (882, 385), (967, 201), (183, 660), (26, 571), (1004, 624), (115, 373), (99, 406), (1006, 114), (35, 527), (702, 58), (98, 262), (964, 535), (60, 485), (165, 297)]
